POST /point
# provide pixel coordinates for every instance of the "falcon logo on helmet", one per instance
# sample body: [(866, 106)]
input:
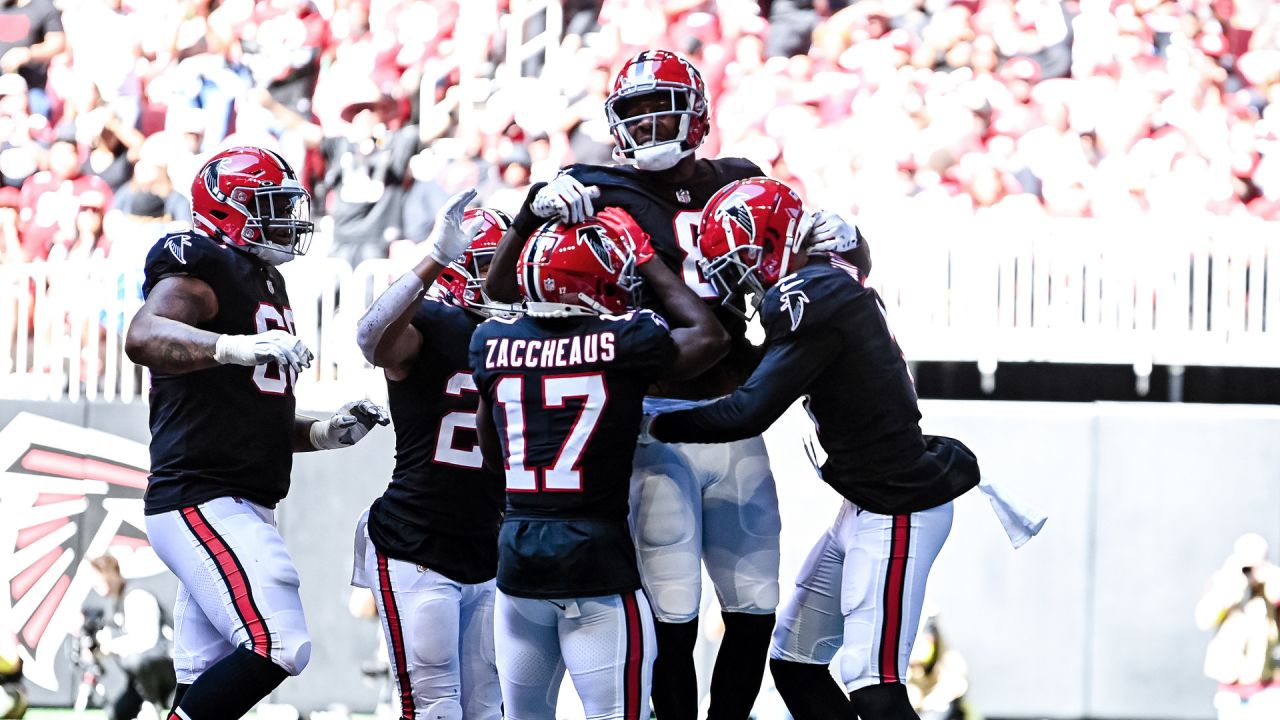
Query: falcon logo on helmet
[(735, 209), (593, 237), (578, 269)]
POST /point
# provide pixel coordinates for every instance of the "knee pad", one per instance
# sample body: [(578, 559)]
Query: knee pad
[(294, 657), (440, 709)]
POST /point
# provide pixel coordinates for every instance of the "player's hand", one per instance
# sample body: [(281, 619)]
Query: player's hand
[(565, 198), (348, 426), (622, 225), (278, 346), (448, 239), (832, 233)]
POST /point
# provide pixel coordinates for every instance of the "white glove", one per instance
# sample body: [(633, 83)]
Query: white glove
[(348, 426), (447, 239), (831, 233), (566, 198), (278, 346)]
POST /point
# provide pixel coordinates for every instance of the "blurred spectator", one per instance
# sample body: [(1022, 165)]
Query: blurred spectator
[(10, 239), (86, 240), (937, 676), (30, 36), (51, 198), (1239, 605), (19, 155), (367, 173)]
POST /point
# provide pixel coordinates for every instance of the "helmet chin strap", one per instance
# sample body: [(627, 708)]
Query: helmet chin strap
[(657, 158), (270, 255)]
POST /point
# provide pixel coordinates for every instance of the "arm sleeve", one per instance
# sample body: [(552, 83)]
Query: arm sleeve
[(141, 629), (788, 369)]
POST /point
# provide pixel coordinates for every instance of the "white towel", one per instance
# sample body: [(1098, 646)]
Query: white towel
[(1020, 521)]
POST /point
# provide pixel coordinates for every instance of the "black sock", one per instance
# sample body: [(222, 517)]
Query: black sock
[(675, 681), (809, 691), (230, 688), (735, 682), (886, 701)]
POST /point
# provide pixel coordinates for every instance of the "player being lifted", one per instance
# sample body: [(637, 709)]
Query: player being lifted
[(561, 393), (428, 547), (826, 340), (712, 505), (217, 332)]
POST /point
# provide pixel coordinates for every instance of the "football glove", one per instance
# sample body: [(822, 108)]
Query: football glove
[(621, 223), (278, 346), (348, 426), (565, 198), (831, 233), (448, 240)]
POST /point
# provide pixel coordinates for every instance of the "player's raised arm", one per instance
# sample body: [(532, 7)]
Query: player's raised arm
[(700, 339), (384, 334), (500, 283)]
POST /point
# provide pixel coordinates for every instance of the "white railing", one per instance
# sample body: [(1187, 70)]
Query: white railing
[(984, 290)]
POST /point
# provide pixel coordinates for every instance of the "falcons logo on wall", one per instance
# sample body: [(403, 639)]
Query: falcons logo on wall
[(67, 494)]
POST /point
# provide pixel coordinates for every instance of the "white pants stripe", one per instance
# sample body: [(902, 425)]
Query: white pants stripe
[(606, 643), (860, 593), (237, 586)]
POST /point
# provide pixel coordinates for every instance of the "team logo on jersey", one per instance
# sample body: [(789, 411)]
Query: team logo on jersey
[(682, 196), (70, 494), (593, 237), (177, 246), (793, 300)]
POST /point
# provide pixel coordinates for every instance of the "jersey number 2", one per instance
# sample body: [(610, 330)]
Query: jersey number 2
[(563, 475), (446, 451)]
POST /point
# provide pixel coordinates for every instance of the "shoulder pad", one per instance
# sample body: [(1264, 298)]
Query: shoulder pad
[(736, 168), (182, 253)]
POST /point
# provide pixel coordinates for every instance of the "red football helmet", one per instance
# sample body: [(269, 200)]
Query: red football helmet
[(461, 283), (248, 196), (750, 237), (675, 87), (583, 269)]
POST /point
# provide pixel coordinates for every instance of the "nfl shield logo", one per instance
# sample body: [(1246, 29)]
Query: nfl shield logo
[(682, 195)]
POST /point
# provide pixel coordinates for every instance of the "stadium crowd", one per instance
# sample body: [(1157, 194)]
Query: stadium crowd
[(1094, 108)]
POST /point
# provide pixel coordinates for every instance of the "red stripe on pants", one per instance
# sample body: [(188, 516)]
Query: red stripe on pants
[(399, 662), (895, 583), (633, 666), (231, 570)]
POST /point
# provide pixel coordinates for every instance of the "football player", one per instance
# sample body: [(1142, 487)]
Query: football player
[(217, 332), (826, 340), (691, 505), (561, 398), (428, 548)]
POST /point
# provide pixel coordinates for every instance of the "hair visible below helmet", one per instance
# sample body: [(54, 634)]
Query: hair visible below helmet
[(750, 237), (249, 196), (581, 269), (461, 282), (667, 74)]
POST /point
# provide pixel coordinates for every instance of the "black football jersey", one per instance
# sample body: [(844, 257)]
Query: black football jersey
[(226, 430), (442, 509), (826, 338), (671, 213), (567, 397)]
